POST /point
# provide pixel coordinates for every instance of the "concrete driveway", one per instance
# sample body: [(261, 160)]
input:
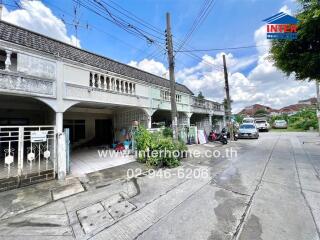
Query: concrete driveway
[(269, 190)]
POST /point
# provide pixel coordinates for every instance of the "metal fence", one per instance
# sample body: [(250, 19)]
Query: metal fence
[(27, 150)]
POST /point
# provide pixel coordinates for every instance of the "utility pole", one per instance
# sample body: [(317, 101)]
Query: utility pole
[(174, 117), (228, 110), (318, 104)]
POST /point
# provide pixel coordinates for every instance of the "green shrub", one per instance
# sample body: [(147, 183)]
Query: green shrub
[(167, 132), (142, 139), (304, 120), (158, 149)]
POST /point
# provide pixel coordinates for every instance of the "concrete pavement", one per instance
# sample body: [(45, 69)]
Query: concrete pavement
[(270, 190)]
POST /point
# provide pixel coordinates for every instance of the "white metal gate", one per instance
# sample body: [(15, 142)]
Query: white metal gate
[(27, 150)]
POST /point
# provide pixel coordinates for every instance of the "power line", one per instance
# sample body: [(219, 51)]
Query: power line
[(221, 49), (125, 24), (152, 27), (157, 30), (202, 15), (132, 16), (101, 13), (87, 26)]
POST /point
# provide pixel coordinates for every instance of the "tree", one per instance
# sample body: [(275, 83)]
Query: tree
[(260, 112), (200, 96), (239, 118), (301, 56)]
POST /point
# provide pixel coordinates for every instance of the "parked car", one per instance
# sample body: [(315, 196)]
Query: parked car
[(248, 120), (248, 130), (262, 125), (280, 124)]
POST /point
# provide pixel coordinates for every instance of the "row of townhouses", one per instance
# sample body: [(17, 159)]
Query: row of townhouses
[(47, 86)]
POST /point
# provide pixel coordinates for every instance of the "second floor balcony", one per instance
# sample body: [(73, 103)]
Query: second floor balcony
[(202, 105)]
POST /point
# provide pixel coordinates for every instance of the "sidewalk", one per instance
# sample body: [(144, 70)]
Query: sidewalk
[(24, 199)]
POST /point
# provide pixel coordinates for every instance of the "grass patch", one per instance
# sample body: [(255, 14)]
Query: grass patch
[(289, 129)]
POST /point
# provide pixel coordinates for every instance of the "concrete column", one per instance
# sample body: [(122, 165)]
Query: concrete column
[(61, 147), (149, 125), (59, 122), (62, 157), (188, 118), (210, 119)]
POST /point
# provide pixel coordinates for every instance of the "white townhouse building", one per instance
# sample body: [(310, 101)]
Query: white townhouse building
[(47, 86)]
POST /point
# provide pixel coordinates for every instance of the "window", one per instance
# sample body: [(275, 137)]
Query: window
[(3, 57), (178, 98), (165, 95)]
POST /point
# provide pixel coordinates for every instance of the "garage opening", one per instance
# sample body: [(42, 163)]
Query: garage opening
[(161, 118), (100, 136), (27, 142)]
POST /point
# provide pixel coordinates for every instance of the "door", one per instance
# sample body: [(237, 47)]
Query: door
[(103, 131)]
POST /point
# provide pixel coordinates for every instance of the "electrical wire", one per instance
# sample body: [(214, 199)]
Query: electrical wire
[(222, 49), (202, 15)]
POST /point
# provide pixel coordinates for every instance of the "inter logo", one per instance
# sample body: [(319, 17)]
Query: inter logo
[(282, 26)]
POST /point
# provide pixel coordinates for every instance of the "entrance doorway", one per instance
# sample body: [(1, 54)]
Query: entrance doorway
[(103, 131)]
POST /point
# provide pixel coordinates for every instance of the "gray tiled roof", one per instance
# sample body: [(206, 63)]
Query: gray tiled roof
[(24, 37)]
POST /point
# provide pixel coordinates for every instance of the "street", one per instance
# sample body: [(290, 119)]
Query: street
[(269, 190)]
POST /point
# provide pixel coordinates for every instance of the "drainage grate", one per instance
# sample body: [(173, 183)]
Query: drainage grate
[(104, 213)]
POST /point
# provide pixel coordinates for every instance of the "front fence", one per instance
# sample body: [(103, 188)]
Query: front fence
[(27, 155)]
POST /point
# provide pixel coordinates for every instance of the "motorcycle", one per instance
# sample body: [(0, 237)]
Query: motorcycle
[(221, 137), (235, 133)]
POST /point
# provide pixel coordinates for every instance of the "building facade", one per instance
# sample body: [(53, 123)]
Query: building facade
[(44, 82)]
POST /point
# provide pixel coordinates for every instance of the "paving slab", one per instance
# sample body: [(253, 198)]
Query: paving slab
[(136, 223), (279, 212), (66, 191)]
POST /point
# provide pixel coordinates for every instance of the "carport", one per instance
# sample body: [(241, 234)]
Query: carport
[(96, 131), (161, 118)]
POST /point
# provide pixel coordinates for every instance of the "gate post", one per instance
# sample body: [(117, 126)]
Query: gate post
[(20, 150), (62, 168), (68, 161)]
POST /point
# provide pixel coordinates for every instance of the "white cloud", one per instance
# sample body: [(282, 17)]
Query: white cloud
[(264, 84), (151, 66), (37, 17), (285, 9)]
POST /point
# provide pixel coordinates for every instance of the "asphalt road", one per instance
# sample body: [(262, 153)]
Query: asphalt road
[(269, 189)]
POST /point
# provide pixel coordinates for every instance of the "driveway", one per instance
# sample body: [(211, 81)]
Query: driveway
[(258, 189)]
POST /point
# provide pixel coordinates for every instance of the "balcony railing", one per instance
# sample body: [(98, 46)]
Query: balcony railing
[(207, 104), (110, 83)]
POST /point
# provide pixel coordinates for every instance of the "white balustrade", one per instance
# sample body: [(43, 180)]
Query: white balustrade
[(107, 83)]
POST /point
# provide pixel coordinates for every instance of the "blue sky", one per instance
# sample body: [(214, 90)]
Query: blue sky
[(231, 23)]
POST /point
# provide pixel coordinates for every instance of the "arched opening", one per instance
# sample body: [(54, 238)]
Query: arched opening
[(27, 139), (161, 118), (95, 127), (17, 111)]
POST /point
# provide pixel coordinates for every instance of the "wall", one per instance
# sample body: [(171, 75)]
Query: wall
[(201, 121)]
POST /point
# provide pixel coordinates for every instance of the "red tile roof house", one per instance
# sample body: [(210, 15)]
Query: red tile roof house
[(250, 110), (293, 109)]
